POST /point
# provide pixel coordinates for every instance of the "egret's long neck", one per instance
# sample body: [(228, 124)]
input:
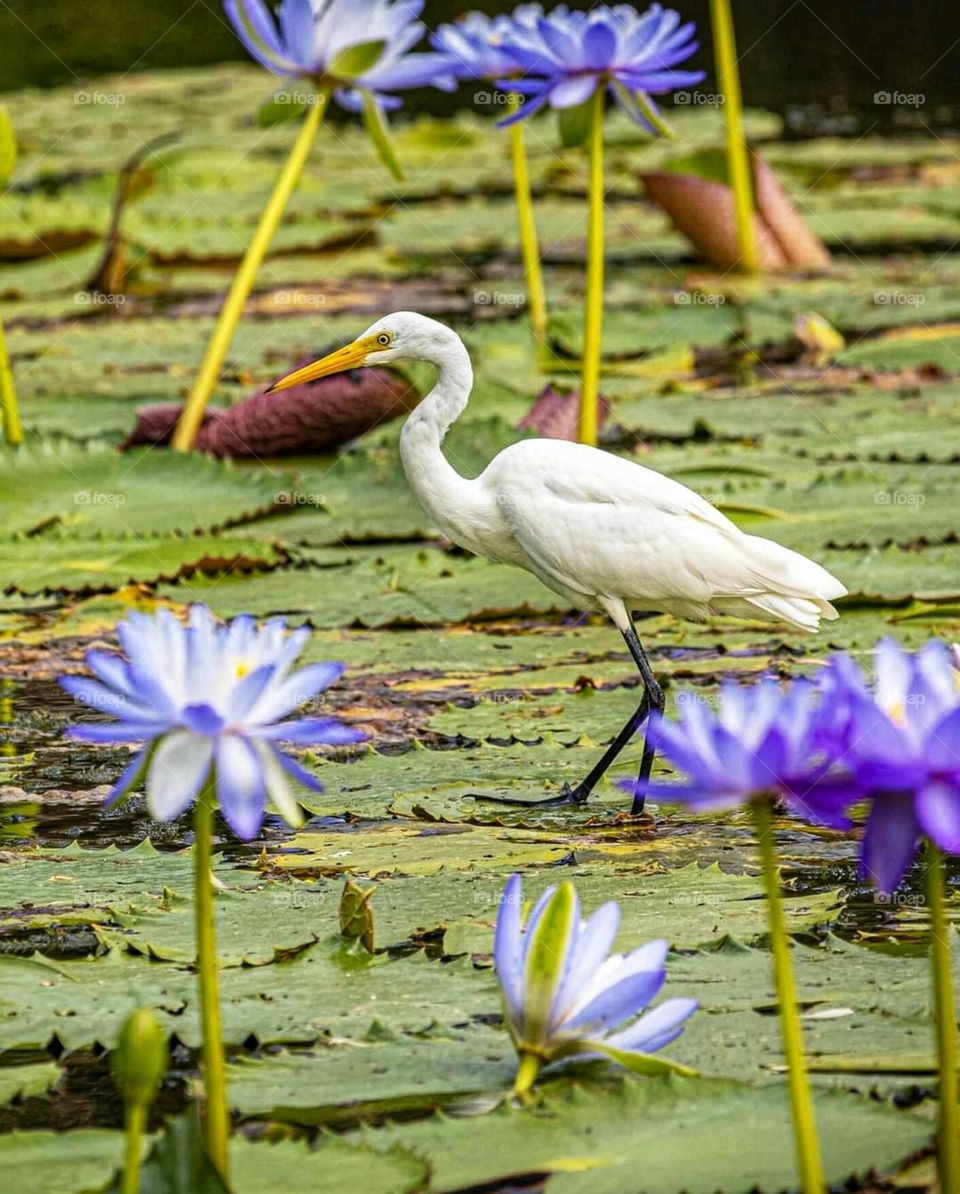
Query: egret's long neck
[(438, 486)]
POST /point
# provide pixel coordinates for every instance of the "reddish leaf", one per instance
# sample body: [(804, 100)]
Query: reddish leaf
[(556, 415), (702, 209), (318, 417)]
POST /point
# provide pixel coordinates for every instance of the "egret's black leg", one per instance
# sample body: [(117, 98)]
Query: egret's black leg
[(581, 792), (652, 699), (653, 693)]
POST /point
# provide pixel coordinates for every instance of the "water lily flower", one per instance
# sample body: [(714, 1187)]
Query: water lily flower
[(478, 46), (570, 61), (320, 39), (765, 743), (901, 742), (565, 995), (762, 741), (567, 56), (901, 745), (360, 52), (207, 703)]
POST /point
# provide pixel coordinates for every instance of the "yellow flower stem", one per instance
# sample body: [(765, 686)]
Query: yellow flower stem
[(948, 1123), (214, 1070), (527, 1073), (135, 1122), (801, 1102), (529, 248), (232, 310), (12, 430), (593, 314), (738, 158)]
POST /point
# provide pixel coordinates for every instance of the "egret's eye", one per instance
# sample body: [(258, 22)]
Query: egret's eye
[(384, 338)]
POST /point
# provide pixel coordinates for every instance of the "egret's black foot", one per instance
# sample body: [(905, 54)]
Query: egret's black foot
[(575, 797)]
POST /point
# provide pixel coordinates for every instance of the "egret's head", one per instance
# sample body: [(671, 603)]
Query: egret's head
[(402, 336)]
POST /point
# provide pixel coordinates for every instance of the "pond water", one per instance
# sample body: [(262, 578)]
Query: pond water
[(822, 66)]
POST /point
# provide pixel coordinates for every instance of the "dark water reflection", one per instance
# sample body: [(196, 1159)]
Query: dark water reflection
[(819, 64)]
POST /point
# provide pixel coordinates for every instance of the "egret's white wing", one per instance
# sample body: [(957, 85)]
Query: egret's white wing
[(595, 524)]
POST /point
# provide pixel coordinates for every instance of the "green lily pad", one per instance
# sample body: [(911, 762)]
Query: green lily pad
[(577, 1137)]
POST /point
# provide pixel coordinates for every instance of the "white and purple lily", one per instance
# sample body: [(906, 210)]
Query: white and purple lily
[(314, 38), (205, 701), (565, 995)]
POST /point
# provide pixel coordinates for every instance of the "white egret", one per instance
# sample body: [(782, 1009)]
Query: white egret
[(603, 532)]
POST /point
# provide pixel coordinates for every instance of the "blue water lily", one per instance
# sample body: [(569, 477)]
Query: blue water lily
[(207, 701), (763, 740), (565, 56), (479, 46), (315, 38), (900, 743), (565, 994)]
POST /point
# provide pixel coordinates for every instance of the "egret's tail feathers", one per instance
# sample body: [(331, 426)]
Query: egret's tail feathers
[(797, 611), (793, 589)]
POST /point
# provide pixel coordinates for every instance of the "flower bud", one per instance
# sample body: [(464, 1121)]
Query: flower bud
[(356, 915), (140, 1059)]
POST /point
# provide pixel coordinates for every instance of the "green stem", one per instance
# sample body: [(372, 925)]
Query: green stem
[(135, 1123), (244, 279), (801, 1103), (948, 1126), (593, 314), (529, 248), (12, 430), (738, 158), (214, 1072), (527, 1073)]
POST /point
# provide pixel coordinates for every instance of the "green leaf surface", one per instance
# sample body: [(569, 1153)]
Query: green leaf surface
[(577, 1137)]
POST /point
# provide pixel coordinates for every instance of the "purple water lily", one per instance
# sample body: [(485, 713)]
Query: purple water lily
[(564, 994), (762, 741), (312, 37), (565, 56), (901, 745), (206, 701), (478, 46)]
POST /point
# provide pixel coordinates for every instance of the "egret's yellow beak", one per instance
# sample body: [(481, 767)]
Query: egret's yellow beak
[(351, 356)]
